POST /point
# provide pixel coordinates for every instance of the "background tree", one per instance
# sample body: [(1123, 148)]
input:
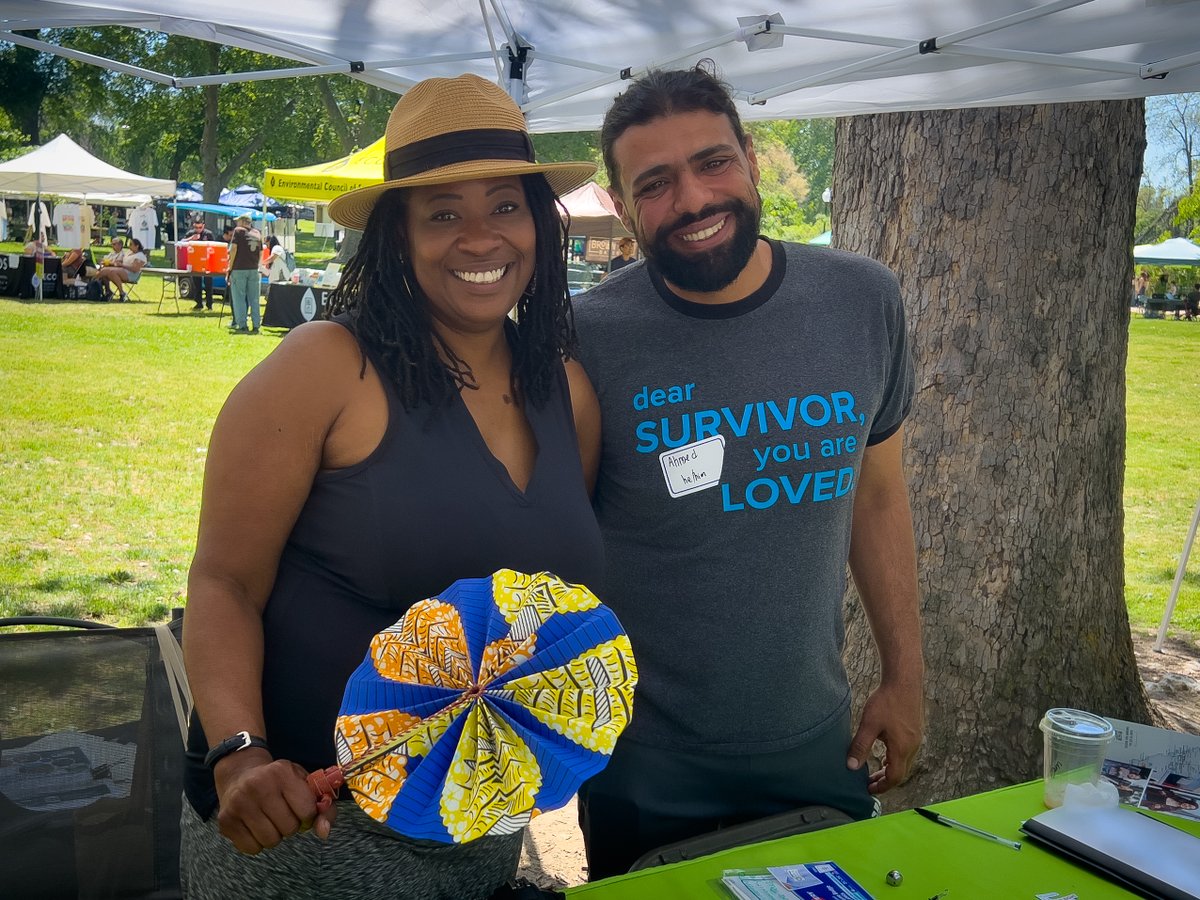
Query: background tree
[(26, 77), (1189, 213), (1174, 119), (811, 144), (568, 146), (356, 113), (1009, 232), (782, 187), (1156, 209)]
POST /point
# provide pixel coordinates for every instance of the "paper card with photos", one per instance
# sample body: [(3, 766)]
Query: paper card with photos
[(1155, 769)]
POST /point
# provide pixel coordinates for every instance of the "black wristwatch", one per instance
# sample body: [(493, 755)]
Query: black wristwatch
[(240, 741)]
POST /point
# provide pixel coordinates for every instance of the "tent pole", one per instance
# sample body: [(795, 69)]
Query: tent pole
[(39, 258), (1179, 573)]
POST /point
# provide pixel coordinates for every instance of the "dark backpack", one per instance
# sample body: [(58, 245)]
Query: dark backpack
[(94, 291)]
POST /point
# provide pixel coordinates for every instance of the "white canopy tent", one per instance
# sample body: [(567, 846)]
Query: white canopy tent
[(564, 60), (1171, 252), (63, 168)]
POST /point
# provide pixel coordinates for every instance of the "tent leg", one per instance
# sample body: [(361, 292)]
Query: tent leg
[(1183, 561)]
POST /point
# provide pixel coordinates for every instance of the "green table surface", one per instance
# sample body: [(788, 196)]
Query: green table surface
[(931, 857)]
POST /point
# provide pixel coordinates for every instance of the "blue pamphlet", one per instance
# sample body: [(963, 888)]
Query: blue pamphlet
[(811, 881)]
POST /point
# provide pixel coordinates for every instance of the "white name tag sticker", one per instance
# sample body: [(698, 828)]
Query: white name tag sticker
[(695, 467)]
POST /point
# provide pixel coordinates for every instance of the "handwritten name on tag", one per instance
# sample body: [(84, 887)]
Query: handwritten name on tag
[(694, 467)]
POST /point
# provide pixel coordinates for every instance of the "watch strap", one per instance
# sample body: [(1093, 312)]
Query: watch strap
[(243, 740)]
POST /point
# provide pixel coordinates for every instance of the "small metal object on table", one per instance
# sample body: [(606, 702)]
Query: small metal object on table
[(169, 277), (894, 878)]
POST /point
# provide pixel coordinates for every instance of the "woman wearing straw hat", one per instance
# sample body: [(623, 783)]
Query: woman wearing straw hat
[(419, 437)]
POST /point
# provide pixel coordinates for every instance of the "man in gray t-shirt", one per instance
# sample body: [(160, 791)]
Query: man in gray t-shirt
[(753, 396)]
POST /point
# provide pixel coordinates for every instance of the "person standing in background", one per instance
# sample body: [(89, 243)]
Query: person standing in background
[(242, 275), (202, 285), (626, 258)]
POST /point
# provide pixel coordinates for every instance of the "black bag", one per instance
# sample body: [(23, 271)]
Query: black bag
[(91, 762), (94, 291)]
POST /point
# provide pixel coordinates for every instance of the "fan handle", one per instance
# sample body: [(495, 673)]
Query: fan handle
[(324, 784)]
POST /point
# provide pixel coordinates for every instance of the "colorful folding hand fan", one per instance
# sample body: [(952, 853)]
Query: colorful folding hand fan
[(483, 707)]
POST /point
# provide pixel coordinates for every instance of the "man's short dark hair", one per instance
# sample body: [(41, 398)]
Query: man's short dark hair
[(661, 93)]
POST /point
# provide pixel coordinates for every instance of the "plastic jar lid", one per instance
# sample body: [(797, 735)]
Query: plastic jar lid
[(1077, 725)]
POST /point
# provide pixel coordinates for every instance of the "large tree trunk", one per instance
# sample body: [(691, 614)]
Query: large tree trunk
[(1009, 230)]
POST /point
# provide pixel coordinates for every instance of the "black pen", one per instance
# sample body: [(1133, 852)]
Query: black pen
[(954, 823)]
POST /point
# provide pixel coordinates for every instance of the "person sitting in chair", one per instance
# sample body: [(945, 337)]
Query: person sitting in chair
[(76, 264), (121, 268)]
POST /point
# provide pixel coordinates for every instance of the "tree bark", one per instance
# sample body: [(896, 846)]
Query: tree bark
[(1009, 231), (337, 121), (250, 148)]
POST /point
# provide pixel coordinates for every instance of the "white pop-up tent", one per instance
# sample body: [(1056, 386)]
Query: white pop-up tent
[(564, 60), (1171, 252), (63, 168)]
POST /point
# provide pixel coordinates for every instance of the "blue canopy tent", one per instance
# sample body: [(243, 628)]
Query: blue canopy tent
[(246, 196), (187, 192), (221, 209)]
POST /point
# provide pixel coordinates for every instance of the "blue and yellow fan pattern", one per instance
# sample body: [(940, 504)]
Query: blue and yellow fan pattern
[(484, 706)]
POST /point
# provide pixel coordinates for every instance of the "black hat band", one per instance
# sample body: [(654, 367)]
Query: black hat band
[(456, 147)]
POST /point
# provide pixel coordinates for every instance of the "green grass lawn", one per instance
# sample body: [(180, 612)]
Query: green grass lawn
[(105, 411), (1162, 470)]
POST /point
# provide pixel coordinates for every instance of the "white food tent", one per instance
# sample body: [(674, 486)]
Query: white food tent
[(63, 168), (564, 60)]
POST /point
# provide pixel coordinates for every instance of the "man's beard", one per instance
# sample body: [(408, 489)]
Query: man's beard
[(712, 271)]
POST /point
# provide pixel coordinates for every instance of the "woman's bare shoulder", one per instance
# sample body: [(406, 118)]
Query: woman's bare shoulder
[(317, 357)]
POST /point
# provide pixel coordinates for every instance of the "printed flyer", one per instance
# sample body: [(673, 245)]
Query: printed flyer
[(1155, 769), (811, 881)]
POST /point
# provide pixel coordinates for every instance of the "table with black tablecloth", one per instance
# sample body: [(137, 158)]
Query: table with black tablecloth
[(16, 276), (286, 307)]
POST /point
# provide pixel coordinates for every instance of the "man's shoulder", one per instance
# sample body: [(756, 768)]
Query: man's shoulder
[(623, 290), (839, 269)]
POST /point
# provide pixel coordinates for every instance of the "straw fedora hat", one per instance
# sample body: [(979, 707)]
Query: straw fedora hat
[(454, 129)]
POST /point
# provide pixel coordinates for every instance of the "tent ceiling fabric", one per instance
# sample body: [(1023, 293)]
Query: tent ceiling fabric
[(818, 59)]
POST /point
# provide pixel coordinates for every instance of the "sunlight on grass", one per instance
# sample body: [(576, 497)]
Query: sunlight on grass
[(1162, 470), (105, 412)]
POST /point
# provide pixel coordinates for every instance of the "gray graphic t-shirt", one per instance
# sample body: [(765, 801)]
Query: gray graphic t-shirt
[(733, 438)]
